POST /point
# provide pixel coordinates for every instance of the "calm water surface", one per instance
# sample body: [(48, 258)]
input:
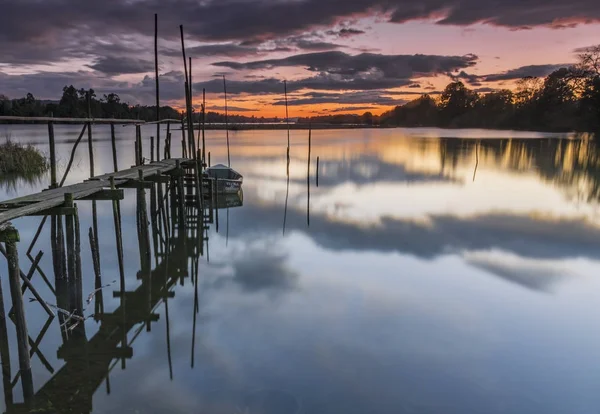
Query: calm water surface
[(431, 271)]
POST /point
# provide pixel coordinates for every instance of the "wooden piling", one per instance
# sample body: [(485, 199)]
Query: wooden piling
[(90, 148), (113, 141), (168, 143), (53, 181), (78, 285), (98, 298), (203, 127), (217, 203), (226, 121), (168, 146), (151, 149), (317, 172), (19, 317), (5, 353), (140, 150), (119, 240), (157, 87), (71, 260), (287, 122), (209, 158), (308, 178)]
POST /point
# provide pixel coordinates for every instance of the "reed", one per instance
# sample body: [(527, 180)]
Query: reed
[(26, 160)]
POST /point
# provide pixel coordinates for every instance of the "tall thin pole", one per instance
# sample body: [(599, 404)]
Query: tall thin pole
[(157, 87), (52, 155), (287, 118), (287, 122), (226, 121), (203, 126), (192, 138), (114, 146), (90, 145), (308, 178)]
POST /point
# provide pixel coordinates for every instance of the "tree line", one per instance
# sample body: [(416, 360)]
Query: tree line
[(566, 100)]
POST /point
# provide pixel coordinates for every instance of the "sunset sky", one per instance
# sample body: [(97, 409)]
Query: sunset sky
[(336, 55)]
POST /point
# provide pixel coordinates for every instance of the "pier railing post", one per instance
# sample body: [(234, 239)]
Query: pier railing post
[(90, 148), (53, 180), (114, 146)]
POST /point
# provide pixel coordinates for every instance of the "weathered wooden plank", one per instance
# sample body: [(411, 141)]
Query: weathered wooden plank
[(132, 173), (54, 193)]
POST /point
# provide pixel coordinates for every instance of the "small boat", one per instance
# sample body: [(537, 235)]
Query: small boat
[(226, 179)]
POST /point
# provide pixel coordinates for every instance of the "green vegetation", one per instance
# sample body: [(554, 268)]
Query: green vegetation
[(24, 161)]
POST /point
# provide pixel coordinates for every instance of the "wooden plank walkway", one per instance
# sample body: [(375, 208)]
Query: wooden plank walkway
[(36, 203)]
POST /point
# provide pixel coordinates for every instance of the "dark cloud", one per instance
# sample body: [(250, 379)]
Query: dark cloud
[(367, 71), (319, 82), (414, 85), (345, 32), (470, 78), (516, 73), (112, 65), (220, 49), (29, 20), (394, 66), (524, 71), (316, 45), (367, 97)]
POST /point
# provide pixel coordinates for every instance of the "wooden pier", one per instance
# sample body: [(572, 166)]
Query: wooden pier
[(96, 188)]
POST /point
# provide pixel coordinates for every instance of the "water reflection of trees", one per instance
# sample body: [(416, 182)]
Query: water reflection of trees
[(572, 164)]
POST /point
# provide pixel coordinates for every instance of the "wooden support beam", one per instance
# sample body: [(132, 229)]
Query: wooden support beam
[(137, 184), (106, 194), (53, 211)]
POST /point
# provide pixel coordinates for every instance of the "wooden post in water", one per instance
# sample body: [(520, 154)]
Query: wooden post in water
[(5, 353), (168, 142), (203, 127), (217, 202), (119, 240), (317, 171), (53, 181), (138, 129), (151, 149), (209, 158), (90, 148), (287, 122), (183, 154), (226, 121), (308, 178), (113, 141), (71, 260), (157, 87), (10, 237)]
